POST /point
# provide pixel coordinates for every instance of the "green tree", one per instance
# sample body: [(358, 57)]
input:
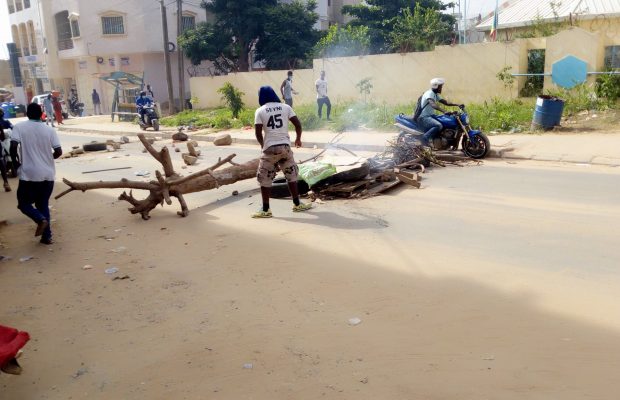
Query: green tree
[(207, 42), (343, 41), (239, 23), (419, 30), (380, 16), (289, 34)]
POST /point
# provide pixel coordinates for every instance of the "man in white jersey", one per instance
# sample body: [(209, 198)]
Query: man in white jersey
[(37, 171), (321, 95), (273, 117)]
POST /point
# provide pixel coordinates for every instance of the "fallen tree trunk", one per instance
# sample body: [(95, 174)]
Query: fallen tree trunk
[(170, 184)]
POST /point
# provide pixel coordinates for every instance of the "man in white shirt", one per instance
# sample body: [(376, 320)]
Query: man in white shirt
[(37, 171), (321, 96), (273, 117)]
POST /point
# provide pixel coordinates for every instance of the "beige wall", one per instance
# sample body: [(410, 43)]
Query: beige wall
[(6, 80), (470, 71)]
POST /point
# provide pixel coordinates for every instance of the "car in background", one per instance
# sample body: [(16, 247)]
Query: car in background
[(38, 99)]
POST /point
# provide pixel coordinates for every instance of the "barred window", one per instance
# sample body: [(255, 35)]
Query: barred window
[(113, 25), (26, 4), (188, 22), (18, 5), (11, 6), (612, 57)]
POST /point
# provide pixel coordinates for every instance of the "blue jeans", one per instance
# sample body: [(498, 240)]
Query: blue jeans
[(431, 127), (324, 100), (37, 193)]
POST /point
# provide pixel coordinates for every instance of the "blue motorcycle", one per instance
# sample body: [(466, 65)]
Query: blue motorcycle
[(456, 129)]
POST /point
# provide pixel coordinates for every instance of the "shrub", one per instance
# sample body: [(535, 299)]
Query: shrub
[(608, 87), (580, 98), (501, 115), (232, 97)]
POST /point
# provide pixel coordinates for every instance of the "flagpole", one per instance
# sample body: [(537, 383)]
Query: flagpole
[(496, 19)]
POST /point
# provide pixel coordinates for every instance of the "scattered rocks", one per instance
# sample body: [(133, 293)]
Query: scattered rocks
[(223, 140), (235, 193), (354, 321), (189, 160), (180, 136), (124, 139), (176, 149)]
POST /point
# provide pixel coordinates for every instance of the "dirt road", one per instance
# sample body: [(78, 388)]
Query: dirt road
[(498, 282)]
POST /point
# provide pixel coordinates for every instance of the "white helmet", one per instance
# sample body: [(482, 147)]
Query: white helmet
[(436, 82)]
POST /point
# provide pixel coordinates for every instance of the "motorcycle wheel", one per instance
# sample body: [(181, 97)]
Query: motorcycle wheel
[(155, 124), (476, 147)]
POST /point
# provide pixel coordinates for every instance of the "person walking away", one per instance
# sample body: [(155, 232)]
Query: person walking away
[(286, 88), (57, 110), (273, 117), (321, 96), (96, 102), (48, 107), (32, 143), (429, 103)]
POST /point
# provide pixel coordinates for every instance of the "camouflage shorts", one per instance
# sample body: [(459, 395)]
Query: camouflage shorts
[(273, 157)]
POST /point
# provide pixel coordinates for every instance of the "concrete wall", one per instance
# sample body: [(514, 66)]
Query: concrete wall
[(470, 71), (396, 78)]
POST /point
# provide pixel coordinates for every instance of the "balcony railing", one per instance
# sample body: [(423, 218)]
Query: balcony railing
[(65, 44)]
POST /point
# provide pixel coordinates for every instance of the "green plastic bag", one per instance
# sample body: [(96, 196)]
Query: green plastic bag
[(313, 172)]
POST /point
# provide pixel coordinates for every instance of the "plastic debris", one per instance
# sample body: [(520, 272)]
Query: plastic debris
[(119, 249), (111, 271), (248, 366), (5, 258), (26, 258), (142, 173), (87, 266), (354, 321)]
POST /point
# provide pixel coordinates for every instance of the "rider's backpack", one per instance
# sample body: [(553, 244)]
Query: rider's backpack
[(418, 109)]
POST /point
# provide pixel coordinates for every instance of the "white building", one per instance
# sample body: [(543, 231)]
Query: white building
[(330, 12), (68, 44)]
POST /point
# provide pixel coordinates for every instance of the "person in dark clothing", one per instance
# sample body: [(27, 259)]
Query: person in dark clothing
[(96, 103)]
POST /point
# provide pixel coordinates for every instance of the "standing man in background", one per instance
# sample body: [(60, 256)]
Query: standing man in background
[(96, 102), (37, 172), (286, 88), (321, 96)]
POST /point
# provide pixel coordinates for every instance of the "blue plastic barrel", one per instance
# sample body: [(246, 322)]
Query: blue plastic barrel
[(548, 112)]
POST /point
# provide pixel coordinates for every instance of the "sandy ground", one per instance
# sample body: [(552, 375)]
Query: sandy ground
[(220, 306)]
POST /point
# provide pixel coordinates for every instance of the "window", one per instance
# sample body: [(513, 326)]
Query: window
[(11, 6), (63, 30), (26, 4), (18, 45), (18, 5), (33, 38), (113, 25), (188, 22), (23, 36), (612, 57), (74, 25)]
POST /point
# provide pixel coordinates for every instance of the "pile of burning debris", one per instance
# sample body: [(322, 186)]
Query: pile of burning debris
[(403, 161)]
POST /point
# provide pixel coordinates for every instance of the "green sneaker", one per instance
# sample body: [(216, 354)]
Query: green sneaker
[(302, 207), (262, 214)]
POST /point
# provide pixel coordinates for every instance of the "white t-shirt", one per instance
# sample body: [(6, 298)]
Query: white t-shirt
[(321, 88), (36, 143), (274, 119)]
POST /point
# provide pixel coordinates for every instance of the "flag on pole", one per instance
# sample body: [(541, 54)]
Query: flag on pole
[(493, 34)]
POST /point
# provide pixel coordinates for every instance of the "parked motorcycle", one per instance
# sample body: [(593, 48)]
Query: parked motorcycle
[(76, 109), (151, 119), (474, 143)]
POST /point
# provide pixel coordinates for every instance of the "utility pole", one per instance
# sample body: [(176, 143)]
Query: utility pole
[(180, 54), (164, 26)]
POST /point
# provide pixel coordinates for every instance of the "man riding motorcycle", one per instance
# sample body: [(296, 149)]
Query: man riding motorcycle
[(141, 103), (428, 105)]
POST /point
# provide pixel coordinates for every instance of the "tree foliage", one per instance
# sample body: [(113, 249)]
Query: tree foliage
[(289, 34), (238, 24), (419, 30), (380, 16), (207, 42), (343, 41)]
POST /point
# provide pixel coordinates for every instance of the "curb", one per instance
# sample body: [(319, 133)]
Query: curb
[(243, 141), (499, 152)]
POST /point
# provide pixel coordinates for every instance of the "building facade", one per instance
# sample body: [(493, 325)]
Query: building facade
[(72, 44)]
